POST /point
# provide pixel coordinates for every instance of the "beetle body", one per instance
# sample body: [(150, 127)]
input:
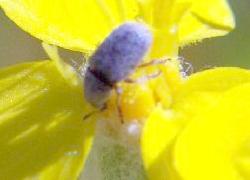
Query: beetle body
[(114, 60)]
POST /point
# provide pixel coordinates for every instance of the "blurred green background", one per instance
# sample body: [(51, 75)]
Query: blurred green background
[(231, 50)]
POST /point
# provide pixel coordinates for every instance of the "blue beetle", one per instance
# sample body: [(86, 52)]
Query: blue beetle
[(114, 60)]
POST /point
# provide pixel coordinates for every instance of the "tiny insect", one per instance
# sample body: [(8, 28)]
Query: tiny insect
[(114, 60)]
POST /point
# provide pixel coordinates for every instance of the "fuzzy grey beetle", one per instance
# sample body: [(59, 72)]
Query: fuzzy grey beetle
[(114, 60)]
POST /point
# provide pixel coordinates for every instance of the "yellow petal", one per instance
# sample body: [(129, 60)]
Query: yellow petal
[(83, 25), (164, 23), (158, 134), (212, 143), (213, 81), (204, 88), (182, 22), (196, 94), (42, 133), (205, 19), (76, 24)]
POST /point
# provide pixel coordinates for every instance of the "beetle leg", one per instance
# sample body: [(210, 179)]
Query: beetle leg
[(90, 114), (154, 75), (154, 62), (143, 78), (129, 80), (160, 61), (118, 92), (94, 112)]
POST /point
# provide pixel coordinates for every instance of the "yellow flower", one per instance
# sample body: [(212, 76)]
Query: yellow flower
[(42, 132)]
